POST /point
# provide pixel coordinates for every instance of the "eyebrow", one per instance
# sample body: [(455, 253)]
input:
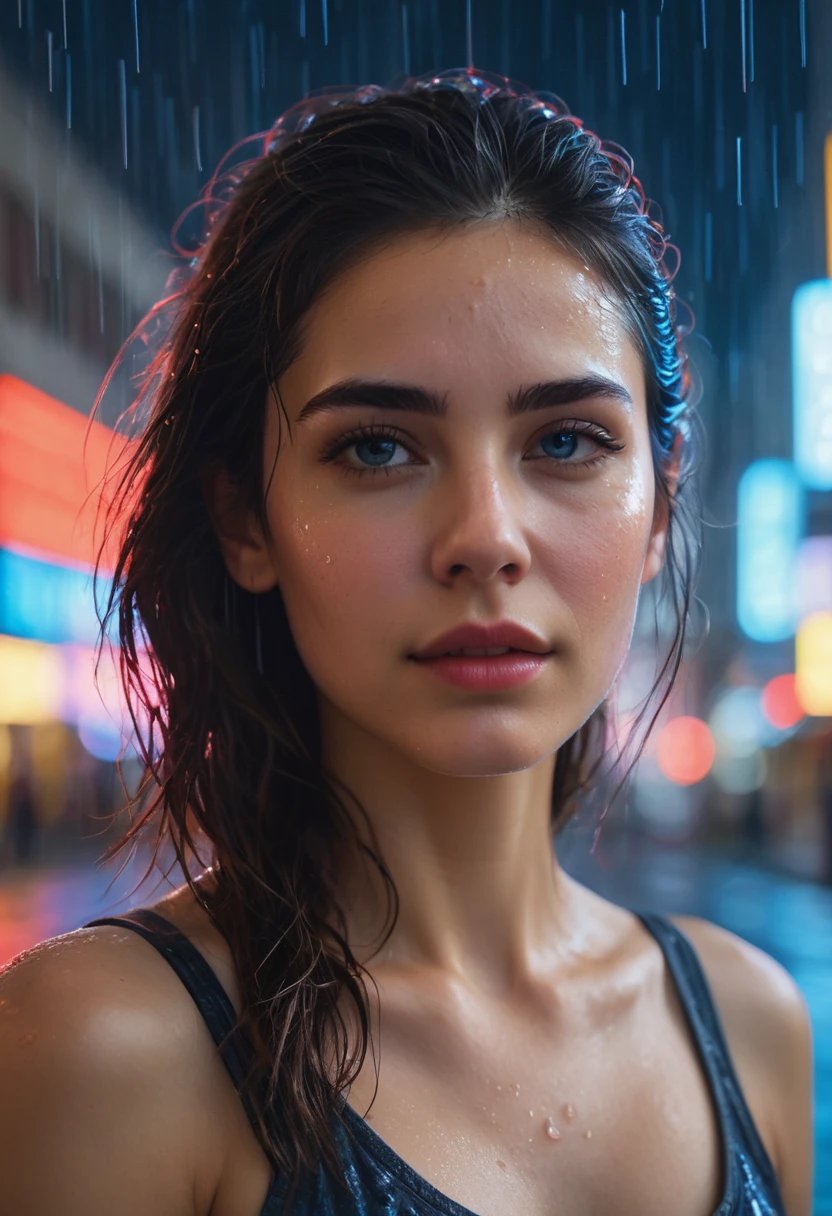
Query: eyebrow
[(415, 399)]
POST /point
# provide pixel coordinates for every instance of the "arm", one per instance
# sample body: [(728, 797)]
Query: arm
[(766, 1023), (100, 1061)]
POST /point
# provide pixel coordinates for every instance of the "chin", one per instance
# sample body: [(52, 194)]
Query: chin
[(483, 757)]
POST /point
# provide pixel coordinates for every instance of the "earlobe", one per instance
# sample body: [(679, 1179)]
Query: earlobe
[(246, 552), (655, 555), (661, 520)]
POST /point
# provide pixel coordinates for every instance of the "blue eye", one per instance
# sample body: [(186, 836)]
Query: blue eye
[(376, 444), (571, 441)]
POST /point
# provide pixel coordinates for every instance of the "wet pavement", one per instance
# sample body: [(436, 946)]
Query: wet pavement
[(789, 919)]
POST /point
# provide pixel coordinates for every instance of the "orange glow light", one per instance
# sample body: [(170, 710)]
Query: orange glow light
[(779, 702), (685, 750)]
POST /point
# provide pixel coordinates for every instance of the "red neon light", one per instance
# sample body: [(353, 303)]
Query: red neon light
[(52, 466)]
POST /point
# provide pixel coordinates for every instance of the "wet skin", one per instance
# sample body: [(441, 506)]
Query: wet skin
[(506, 987)]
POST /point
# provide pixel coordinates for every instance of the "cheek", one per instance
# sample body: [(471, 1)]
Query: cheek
[(346, 587), (594, 564)]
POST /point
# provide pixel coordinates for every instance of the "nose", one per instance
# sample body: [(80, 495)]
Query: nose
[(482, 527)]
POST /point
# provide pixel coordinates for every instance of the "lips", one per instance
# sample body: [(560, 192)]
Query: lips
[(484, 637)]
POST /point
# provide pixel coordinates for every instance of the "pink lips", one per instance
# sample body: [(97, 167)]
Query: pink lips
[(487, 673), (484, 637)]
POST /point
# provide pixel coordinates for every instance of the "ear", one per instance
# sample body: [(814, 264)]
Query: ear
[(246, 551), (654, 559)]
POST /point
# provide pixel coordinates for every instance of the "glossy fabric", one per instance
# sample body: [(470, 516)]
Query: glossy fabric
[(382, 1184)]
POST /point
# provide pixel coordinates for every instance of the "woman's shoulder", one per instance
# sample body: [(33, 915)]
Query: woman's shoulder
[(106, 1067), (97, 990), (768, 1029), (756, 997)]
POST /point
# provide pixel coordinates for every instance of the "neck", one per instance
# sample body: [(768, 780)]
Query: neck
[(482, 897)]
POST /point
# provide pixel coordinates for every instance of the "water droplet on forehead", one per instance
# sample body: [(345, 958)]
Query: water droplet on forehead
[(551, 1131)]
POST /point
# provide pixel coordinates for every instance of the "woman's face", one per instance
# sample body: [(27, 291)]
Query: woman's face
[(472, 515)]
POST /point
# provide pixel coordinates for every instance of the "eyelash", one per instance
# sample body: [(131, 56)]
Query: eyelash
[(380, 431)]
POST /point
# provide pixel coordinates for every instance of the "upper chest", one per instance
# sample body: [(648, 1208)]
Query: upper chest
[(466, 1091), (468, 1104)]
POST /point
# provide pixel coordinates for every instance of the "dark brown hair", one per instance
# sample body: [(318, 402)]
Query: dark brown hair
[(224, 710)]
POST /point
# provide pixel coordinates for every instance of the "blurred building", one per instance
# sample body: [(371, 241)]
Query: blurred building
[(77, 271)]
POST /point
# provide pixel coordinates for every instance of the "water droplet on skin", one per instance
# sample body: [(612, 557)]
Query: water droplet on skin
[(328, 559), (531, 1113), (587, 1134), (502, 1164), (499, 1089), (551, 1131), (568, 1111), (26, 1039), (517, 1091)]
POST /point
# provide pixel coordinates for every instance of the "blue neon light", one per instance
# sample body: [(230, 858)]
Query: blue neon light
[(812, 383), (46, 602), (770, 524)]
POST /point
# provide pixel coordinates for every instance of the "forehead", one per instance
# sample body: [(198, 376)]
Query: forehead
[(491, 299)]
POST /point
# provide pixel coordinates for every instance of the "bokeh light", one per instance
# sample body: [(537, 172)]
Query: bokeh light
[(685, 750), (738, 723), (813, 663), (740, 774), (779, 702)]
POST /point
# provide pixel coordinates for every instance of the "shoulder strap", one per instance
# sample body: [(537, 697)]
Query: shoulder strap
[(705, 1023), (205, 989)]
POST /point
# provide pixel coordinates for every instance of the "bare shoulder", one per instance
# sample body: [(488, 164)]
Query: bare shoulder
[(767, 1025), (104, 1065)]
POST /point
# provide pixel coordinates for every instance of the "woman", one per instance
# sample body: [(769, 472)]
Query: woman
[(454, 299)]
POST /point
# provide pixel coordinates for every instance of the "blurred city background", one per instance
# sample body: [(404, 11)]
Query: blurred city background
[(112, 119)]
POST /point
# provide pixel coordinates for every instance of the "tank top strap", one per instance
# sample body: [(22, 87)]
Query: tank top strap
[(205, 989), (703, 1017)]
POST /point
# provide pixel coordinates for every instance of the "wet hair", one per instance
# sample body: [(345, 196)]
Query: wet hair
[(224, 710)]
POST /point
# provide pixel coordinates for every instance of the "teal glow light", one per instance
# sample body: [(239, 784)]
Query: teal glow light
[(812, 383), (770, 524)]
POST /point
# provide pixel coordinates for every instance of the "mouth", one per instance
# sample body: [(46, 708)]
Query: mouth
[(493, 653), (487, 672)]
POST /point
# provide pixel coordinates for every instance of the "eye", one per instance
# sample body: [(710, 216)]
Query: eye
[(561, 444), (375, 445)]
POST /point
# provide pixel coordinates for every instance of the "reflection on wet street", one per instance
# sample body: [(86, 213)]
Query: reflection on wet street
[(789, 919)]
